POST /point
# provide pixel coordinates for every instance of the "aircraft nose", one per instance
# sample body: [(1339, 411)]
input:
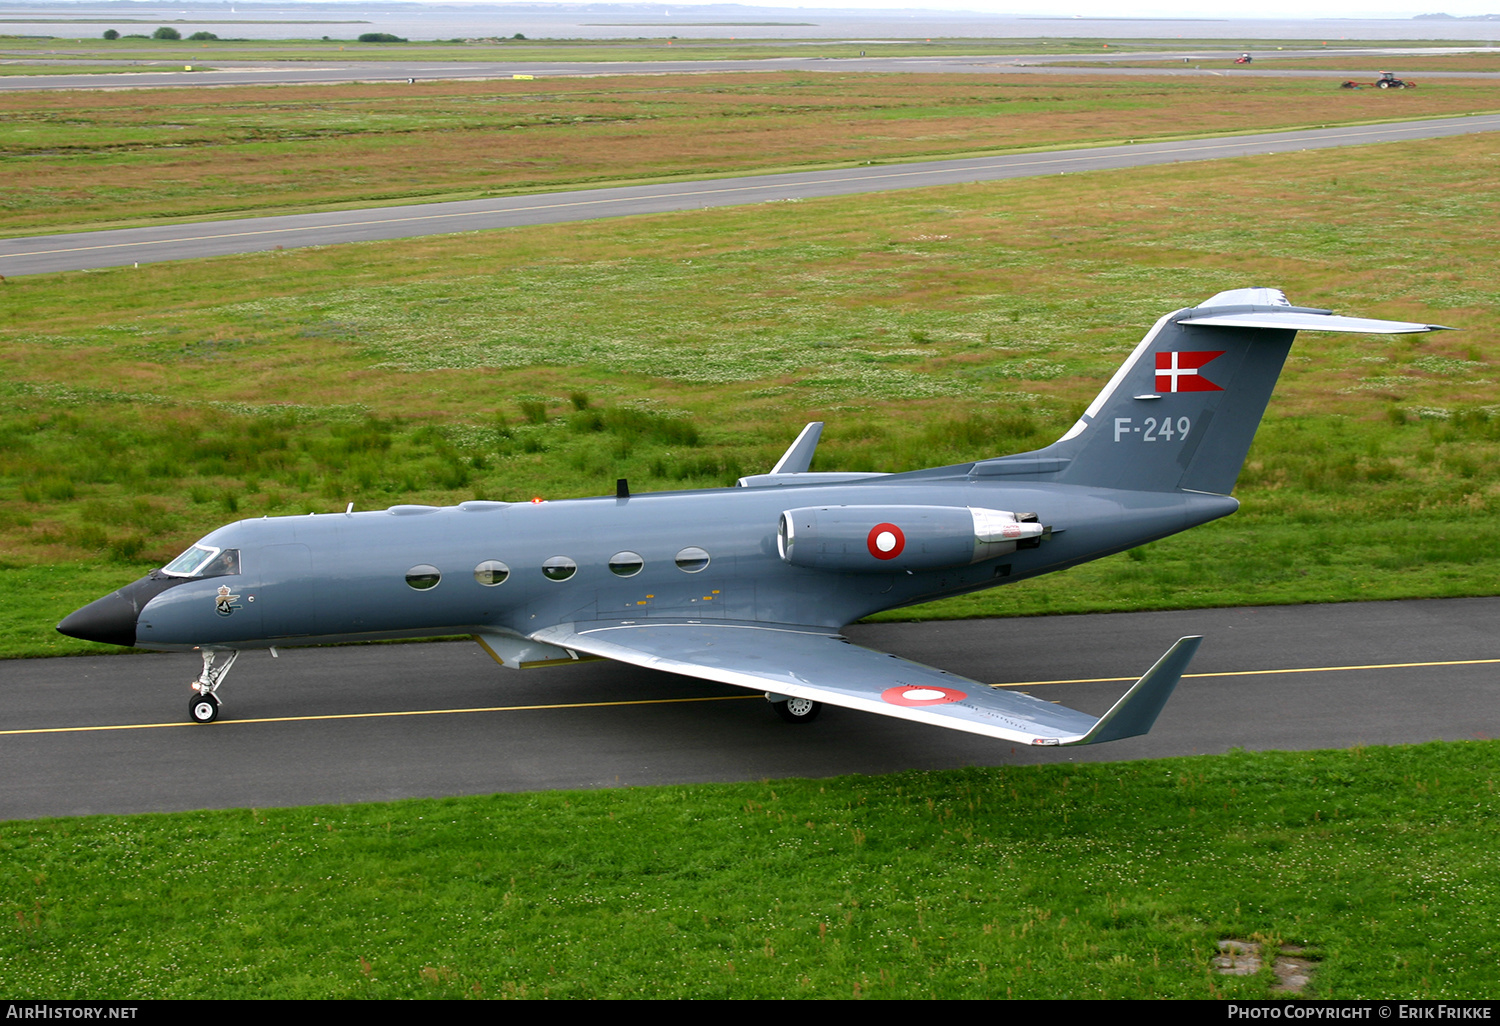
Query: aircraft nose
[(112, 619)]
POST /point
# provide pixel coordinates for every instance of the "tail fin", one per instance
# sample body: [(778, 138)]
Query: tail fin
[(1181, 412)]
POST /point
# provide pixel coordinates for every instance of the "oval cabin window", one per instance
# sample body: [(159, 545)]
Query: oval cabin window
[(423, 577)]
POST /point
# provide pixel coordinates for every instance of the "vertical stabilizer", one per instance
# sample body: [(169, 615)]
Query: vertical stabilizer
[(1180, 413)]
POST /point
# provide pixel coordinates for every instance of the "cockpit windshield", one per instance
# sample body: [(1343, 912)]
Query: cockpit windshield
[(204, 561)]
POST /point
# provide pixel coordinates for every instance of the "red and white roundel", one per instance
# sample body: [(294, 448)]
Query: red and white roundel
[(908, 694), (886, 541)]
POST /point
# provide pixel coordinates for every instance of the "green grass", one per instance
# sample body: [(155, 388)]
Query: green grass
[(1061, 881), (79, 68), (90, 159)]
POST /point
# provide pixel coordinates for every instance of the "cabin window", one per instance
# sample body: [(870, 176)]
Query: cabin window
[(692, 559), (626, 564), (204, 561), (491, 572), (423, 577), (559, 568)]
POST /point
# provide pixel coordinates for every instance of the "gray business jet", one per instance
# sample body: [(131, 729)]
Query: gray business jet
[(750, 585)]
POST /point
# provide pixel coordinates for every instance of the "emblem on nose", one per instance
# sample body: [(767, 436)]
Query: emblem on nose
[(224, 602)]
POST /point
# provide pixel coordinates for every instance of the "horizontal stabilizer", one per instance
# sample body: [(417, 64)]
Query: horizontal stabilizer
[(819, 664), (1305, 320)]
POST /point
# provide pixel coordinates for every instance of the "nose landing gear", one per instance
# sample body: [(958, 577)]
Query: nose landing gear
[(205, 706)]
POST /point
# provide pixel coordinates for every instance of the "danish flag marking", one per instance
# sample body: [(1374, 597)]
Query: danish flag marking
[(1179, 372)]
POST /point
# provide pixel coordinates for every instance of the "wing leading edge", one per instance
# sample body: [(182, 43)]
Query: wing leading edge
[(818, 664)]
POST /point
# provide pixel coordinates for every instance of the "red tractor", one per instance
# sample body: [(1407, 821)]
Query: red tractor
[(1387, 80)]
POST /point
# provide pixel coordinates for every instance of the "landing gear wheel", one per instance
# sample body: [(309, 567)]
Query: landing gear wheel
[(798, 710), (204, 709)]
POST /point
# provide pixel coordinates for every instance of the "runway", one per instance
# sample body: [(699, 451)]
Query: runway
[(155, 73), (108, 734), (81, 251)]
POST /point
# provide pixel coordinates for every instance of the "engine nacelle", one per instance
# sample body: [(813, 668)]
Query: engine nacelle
[(880, 539)]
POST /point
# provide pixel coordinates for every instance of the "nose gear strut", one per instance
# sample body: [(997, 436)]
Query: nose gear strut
[(205, 706)]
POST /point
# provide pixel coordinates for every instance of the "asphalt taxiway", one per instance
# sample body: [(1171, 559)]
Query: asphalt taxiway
[(85, 250), (108, 734), (148, 72)]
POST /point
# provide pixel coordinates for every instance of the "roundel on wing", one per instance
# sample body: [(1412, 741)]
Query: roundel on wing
[(886, 541), (909, 695)]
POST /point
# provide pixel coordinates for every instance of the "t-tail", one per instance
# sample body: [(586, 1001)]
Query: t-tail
[(1181, 412)]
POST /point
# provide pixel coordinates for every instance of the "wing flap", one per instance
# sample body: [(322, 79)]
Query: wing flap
[(819, 664)]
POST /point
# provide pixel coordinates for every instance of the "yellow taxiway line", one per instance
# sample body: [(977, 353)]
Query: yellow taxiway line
[(710, 698), (377, 715)]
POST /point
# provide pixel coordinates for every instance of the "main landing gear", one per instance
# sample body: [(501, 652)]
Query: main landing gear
[(798, 710), (205, 706)]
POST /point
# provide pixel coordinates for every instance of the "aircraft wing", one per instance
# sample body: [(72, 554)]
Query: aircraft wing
[(820, 664)]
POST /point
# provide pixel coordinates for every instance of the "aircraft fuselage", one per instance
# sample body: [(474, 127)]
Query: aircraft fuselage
[(421, 571)]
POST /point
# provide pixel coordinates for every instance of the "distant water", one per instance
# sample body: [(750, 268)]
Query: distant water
[(600, 21)]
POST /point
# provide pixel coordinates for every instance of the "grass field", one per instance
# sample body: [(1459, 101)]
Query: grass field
[(88, 159), (1096, 880), (1413, 66)]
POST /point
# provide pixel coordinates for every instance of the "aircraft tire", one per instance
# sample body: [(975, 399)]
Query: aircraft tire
[(203, 709), (798, 710)]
